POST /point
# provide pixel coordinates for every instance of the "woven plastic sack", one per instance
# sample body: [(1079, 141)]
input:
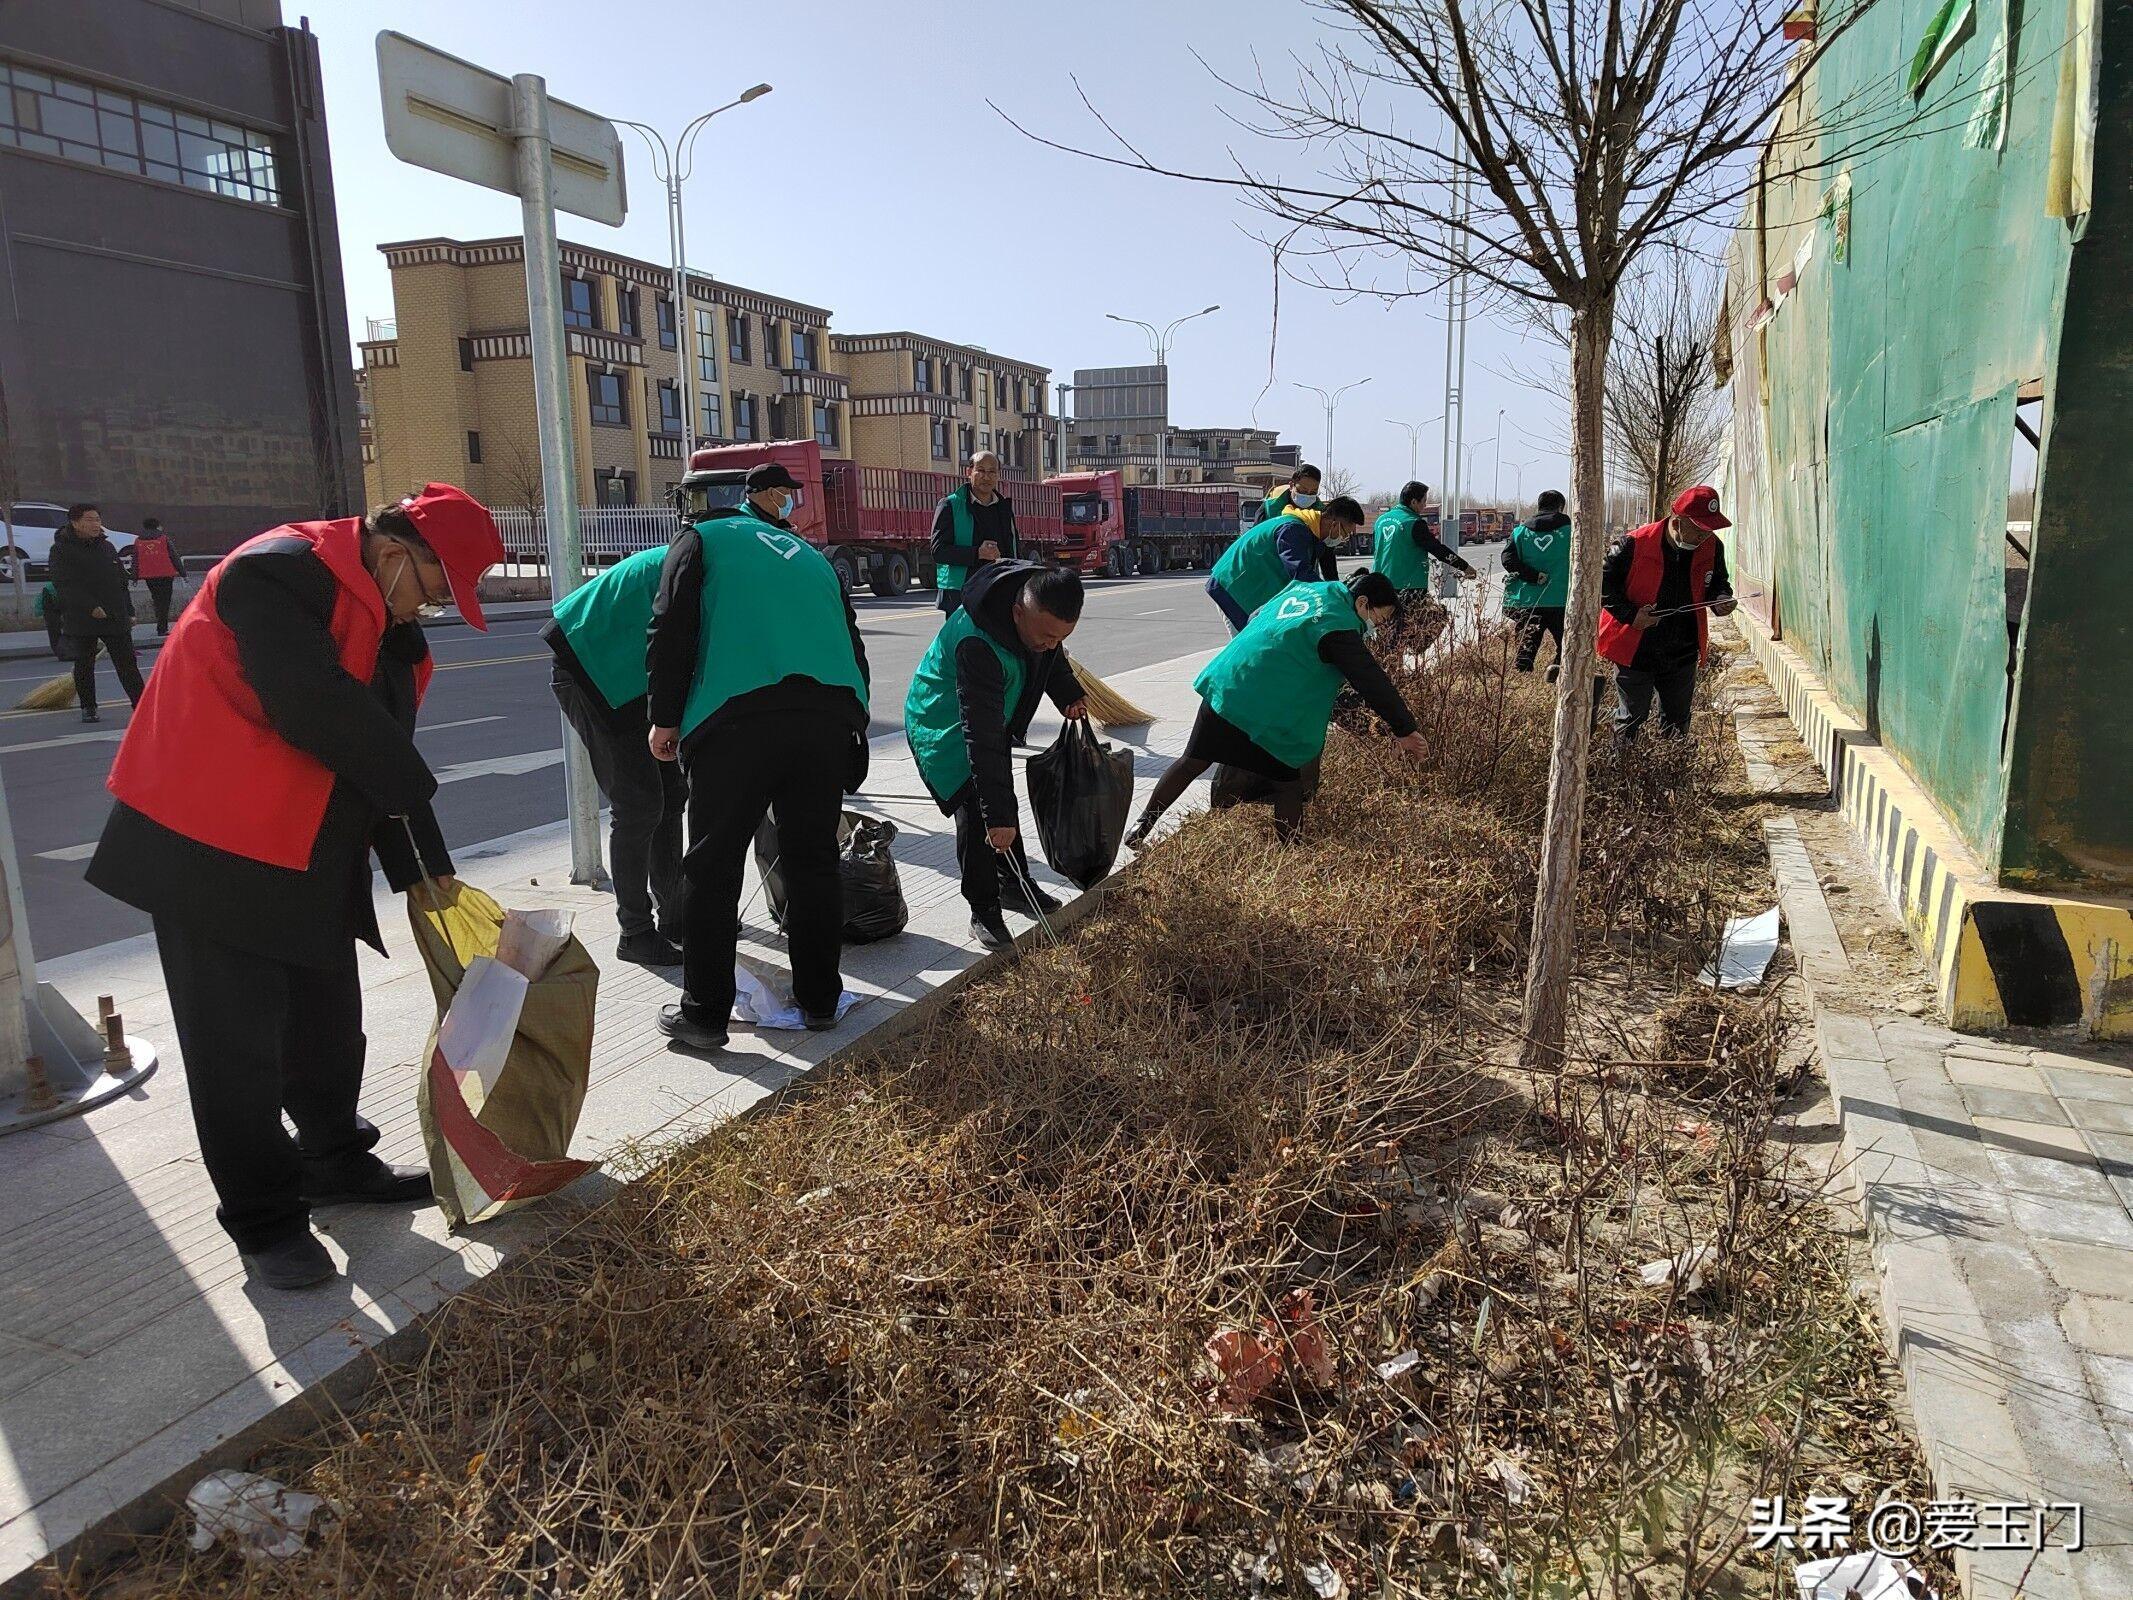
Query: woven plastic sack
[(510, 1054)]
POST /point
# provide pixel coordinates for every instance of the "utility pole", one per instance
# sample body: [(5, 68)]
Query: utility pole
[(1414, 442), (1496, 481), (1160, 344), (1066, 389), (1331, 403)]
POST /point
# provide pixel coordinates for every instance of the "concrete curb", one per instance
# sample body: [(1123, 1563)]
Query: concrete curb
[(317, 1407)]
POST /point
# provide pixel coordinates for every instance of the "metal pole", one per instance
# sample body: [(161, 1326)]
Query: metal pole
[(551, 404), (1162, 427), (685, 373), (1064, 389), (1496, 483)]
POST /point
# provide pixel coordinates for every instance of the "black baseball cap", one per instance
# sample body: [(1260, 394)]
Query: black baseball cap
[(770, 475)]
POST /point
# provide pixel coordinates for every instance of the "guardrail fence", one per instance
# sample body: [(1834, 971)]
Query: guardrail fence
[(606, 533)]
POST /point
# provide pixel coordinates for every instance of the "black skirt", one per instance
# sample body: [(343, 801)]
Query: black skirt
[(1215, 738)]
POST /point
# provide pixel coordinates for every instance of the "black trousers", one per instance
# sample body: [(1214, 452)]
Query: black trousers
[(120, 644), (159, 596), (981, 865), (1676, 688), (792, 765), (261, 1037), (1532, 623), (648, 799)]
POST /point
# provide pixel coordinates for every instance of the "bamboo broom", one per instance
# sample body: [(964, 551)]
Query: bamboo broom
[(1107, 706), (54, 694)]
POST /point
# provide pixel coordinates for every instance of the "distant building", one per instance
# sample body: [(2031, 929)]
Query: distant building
[(448, 381), (173, 329), (1119, 413), (927, 405), (1236, 455)]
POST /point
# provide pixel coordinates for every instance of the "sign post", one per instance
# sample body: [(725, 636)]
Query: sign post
[(506, 133)]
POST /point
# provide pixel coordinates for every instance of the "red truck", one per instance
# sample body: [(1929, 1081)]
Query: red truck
[(1113, 530), (874, 523)]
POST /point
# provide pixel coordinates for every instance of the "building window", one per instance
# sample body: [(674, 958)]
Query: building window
[(744, 417), (666, 322), (617, 488), (736, 337), (473, 447), (66, 117), (770, 343), (706, 346), (1085, 443), (999, 390), (922, 374), (825, 425), (966, 439), (803, 350), (1113, 444), (580, 308), (708, 421), (1019, 396), (609, 406), (966, 380), (626, 311), (466, 355), (940, 438), (669, 407)]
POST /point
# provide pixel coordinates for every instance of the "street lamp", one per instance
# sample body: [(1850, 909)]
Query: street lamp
[(1414, 442), (672, 166), (1518, 480), (1160, 344), (1064, 389), (1467, 476), (1330, 401)]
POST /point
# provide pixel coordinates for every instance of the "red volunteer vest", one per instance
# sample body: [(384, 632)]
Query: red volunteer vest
[(152, 558), (200, 756), (1647, 565)]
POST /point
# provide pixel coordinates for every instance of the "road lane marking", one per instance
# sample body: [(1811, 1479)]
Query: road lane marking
[(73, 852), (1160, 611), (72, 738), (501, 766), (435, 727), (494, 661)]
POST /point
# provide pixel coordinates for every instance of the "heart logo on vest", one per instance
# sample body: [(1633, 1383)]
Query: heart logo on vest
[(784, 543), (1543, 540), (1292, 608)]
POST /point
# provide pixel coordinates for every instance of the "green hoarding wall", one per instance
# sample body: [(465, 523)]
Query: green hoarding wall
[(1892, 290)]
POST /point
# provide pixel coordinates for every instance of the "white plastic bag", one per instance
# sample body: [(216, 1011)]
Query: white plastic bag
[(761, 999), (265, 1520)]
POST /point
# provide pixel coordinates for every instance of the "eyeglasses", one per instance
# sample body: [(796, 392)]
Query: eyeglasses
[(432, 605)]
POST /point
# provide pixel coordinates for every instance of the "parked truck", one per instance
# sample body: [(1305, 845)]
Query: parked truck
[(874, 523), (1115, 530)]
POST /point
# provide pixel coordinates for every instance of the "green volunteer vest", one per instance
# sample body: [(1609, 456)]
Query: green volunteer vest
[(1548, 554), (1274, 504), (605, 621), (772, 609), (1269, 680), (951, 574), (933, 719), (1250, 571), (1394, 552)]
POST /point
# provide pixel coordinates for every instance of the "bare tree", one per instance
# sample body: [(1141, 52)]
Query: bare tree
[(1663, 414), (1538, 147), (1339, 481), (519, 476)]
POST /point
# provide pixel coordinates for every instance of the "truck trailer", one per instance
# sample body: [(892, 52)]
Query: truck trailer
[(874, 523), (1113, 530)]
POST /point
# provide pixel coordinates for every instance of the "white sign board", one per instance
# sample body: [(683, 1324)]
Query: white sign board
[(455, 118)]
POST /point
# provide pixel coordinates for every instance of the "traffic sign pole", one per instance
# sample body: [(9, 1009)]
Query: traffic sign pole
[(551, 404)]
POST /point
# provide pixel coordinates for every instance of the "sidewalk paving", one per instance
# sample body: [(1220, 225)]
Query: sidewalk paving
[(131, 1345), (1995, 1180)]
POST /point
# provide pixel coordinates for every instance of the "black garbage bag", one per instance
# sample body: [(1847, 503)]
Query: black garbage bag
[(1081, 790), (873, 893)]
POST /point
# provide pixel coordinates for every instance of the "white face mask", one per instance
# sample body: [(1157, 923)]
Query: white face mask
[(785, 506), (1302, 497)]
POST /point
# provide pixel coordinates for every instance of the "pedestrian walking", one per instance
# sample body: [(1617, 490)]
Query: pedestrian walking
[(156, 565), (1655, 590), (273, 752), (970, 702), (972, 526), (1403, 549), (1537, 557), (95, 604), (1299, 493), (757, 686), (1288, 547), (599, 635), (1266, 699)]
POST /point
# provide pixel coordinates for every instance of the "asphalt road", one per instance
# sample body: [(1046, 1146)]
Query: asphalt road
[(490, 730)]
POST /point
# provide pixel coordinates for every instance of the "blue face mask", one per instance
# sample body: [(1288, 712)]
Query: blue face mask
[(785, 507), (1302, 497)]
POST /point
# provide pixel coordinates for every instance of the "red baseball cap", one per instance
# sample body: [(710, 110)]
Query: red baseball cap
[(459, 530), (1699, 504)]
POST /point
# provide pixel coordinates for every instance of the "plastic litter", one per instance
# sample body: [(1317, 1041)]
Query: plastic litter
[(1325, 1581), (1744, 952), (1869, 1574), (762, 999), (1405, 1361), (1080, 790), (1689, 1269), (874, 906), (265, 1520)]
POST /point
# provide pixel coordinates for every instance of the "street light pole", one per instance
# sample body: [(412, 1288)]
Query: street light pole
[(1064, 389), (1496, 482), (1414, 442), (1160, 344), (1331, 401), (672, 166), (1469, 462)]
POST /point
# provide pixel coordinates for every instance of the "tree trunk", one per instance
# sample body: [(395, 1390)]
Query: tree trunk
[(1553, 956)]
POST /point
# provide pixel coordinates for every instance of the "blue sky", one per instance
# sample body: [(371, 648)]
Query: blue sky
[(875, 180)]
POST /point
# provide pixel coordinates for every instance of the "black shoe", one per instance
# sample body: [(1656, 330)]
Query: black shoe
[(298, 1262), (647, 950), (989, 928), (1555, 670), (1137, 835), (1028, 899), (88, 714), (820, 1021), (364, 1180), (687, 1031)]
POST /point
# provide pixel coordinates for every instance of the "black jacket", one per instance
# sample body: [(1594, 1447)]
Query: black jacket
[(1545, 522), (1671, 642), (88, 573), (991, 727), (674, 644), (1345, 650), (995, 522), (278, 600)]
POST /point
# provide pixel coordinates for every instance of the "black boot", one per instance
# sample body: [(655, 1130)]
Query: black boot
[(363, 1179), (297, 1262), (989, 928)]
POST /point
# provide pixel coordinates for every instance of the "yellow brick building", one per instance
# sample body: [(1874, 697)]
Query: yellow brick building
[(928, 406), (447, 387)]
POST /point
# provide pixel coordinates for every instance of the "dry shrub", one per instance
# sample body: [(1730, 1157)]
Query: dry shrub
[(938, 1322)]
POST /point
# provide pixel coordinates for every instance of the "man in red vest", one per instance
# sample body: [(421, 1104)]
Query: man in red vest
[(1657, 591), (272, 752)]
